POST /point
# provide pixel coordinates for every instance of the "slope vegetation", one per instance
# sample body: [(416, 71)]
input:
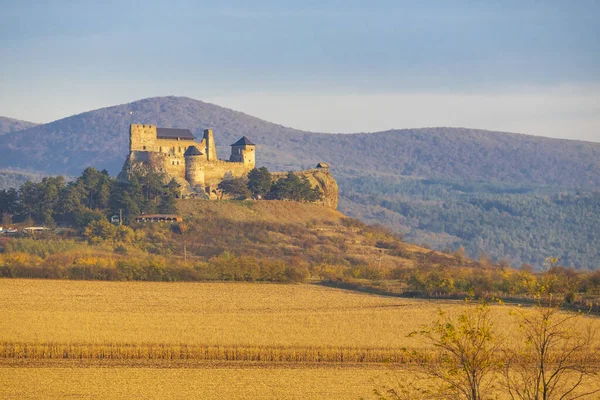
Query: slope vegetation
[(13, 179), (9, 125)]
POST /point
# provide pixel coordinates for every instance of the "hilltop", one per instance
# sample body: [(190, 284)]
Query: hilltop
[(282, 241), (300, 234), (9, 125)]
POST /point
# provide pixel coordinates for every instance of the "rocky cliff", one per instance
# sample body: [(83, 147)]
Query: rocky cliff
[(322, 178)]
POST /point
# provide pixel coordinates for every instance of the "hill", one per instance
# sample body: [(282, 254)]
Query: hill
[(100, 138), (400, 178), (306, 236), (9, 125), (281, 241), (13, 178)]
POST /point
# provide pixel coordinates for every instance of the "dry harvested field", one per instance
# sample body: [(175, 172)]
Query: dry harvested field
[(223, 314), (96, 339), (190, 383)]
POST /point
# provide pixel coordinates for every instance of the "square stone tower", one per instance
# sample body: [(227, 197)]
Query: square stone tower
[(243, 151)]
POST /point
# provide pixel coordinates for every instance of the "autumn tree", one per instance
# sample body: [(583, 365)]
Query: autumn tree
[(100, 230), (466, 357)]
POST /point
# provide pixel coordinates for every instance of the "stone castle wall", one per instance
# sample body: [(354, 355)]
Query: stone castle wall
[(143, 138), (218, 171)]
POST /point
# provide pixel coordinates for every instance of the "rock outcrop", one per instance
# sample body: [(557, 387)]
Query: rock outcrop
[(322, 178)]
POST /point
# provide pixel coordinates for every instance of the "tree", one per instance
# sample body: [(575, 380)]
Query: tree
[(467, 347), (9, 201), (100, 230), (6, 219), (41, 200), (556, 357), (167, 203), (96, 185), (127, 196), (259, 181), (237, 188), (71, 207)]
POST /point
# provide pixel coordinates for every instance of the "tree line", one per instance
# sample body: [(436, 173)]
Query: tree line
[(93, 196), (96, 195)]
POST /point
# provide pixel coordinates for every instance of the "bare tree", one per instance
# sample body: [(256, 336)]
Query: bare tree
[(466, 359), (556, 358)]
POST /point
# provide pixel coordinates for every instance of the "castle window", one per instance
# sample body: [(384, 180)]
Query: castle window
[(180, 149), (177, 162), (144, 147), (161, 149), (172, 162)]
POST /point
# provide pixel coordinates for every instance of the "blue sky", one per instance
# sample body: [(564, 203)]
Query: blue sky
[(337, 66)]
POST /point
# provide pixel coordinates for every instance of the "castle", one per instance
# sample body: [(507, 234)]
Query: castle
[(195, 166)]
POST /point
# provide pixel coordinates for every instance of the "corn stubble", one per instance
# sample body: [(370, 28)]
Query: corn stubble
[(260, 326)]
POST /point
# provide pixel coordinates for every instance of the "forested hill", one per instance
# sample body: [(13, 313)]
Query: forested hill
[(511, 196), (100, 138), (8, 125)]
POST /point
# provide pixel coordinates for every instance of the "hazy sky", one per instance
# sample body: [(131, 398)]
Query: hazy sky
[(330, 66)]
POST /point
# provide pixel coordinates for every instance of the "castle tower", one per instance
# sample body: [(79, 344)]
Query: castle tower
[(142, 137), (211, 148), (243, 151), (194, 172)]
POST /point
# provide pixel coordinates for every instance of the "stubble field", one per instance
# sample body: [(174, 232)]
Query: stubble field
[(94, 339), (207, 314)]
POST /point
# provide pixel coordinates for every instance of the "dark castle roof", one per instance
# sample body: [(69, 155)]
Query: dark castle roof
[(244, 141), (192, 151), (172, 133)]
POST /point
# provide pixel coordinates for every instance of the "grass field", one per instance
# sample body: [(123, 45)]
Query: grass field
[(74, 325)]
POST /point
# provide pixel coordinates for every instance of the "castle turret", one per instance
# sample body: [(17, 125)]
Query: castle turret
[(194, 162), (211, 148), (243, 151)]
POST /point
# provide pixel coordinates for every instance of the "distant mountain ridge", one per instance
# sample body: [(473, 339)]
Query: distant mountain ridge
[(9, 125), (100, 138)]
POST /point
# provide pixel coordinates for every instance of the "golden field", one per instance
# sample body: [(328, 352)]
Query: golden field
[(190, 383), (97, 339), (207, 314)]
